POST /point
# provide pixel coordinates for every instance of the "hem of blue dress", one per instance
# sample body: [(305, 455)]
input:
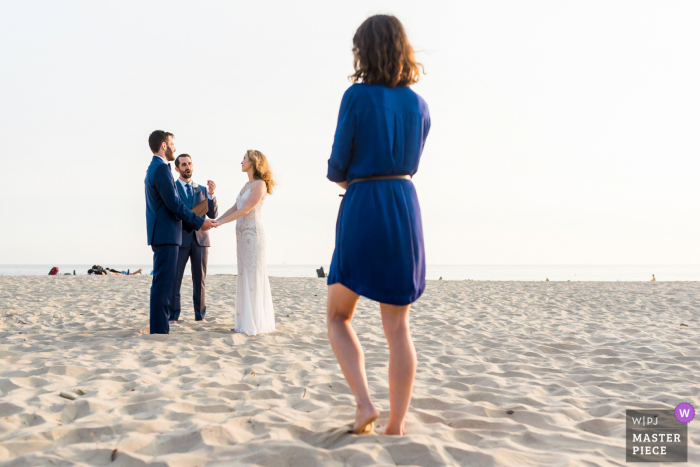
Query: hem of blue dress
[(367, 292)]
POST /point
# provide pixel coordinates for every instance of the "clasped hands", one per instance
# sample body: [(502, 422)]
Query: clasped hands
[(208, 224)]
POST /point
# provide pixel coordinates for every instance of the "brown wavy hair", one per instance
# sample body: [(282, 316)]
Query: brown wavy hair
[(383, 54), (262, 168)]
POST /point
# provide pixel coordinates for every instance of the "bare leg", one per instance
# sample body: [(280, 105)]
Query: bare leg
[(402, 364), (347, 350)]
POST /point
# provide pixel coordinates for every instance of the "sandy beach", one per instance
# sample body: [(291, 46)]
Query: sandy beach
[(567, 358)]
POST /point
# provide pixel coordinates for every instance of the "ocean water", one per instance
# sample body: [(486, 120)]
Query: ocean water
[(446, 272)]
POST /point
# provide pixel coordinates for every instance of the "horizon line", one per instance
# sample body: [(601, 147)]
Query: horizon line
[(429, 265)]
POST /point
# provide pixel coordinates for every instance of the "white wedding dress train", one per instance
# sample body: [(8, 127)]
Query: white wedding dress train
[(254, 311)]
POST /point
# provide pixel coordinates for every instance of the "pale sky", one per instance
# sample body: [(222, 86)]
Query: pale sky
[(562, 132)]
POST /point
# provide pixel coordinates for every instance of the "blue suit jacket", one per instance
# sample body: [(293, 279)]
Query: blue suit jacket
[(165, 212), (199, 194)]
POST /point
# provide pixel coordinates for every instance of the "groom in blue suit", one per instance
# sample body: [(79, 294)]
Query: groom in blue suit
[(165, 216)]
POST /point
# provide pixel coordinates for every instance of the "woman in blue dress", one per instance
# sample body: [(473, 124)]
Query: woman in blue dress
[(379, 254)]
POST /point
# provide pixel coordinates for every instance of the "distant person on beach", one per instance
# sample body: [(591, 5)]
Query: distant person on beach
[(124, 273), (166, 214), (100, 271), (653, 279), (379, 254), (195, 244), (255, 313)]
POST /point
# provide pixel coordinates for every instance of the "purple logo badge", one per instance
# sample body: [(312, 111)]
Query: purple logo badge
[(685, 412)]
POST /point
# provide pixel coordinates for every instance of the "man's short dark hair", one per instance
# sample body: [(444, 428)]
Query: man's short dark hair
[(177, 160), (157, 138)]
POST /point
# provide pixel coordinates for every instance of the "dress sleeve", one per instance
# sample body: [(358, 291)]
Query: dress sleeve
[(341, 154), (426, 128)]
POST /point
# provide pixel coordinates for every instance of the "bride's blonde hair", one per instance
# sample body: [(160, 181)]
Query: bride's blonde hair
[(261, 167)]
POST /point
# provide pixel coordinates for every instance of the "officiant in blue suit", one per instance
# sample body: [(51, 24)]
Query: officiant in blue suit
[(195, 244), (166, 214)]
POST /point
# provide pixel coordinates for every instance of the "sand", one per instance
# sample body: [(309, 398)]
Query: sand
[(567, 358)]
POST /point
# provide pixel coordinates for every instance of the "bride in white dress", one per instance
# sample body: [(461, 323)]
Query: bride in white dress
[(254, 311)]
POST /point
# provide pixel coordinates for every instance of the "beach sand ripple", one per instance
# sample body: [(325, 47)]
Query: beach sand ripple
[(509, 374)]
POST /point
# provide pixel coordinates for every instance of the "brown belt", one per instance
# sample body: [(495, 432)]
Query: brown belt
[(385, 177)]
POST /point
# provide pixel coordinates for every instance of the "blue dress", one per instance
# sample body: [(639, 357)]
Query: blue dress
[(379, 250)]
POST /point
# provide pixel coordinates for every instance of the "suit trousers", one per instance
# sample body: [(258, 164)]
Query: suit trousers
[(198, 256), (164, 272)]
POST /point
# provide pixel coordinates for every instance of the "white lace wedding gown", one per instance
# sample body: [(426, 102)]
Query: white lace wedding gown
[(254, 311)]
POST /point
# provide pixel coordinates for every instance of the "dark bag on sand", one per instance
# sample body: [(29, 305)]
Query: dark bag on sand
[(97, 270)]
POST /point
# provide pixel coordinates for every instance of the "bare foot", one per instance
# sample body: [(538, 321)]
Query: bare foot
[(367, 430), (391, 431), (364, 418)]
